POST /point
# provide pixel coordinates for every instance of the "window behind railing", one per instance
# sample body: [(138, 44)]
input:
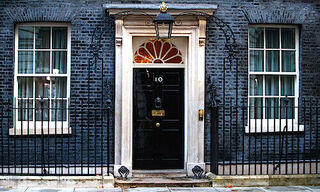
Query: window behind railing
[(41, 75), (273, 72)]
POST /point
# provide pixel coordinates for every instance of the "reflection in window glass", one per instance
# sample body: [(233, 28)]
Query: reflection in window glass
[(256, 85), (42, 89), (42, 37), (25, 37), (42, 62), (256, 37), (59, 87)]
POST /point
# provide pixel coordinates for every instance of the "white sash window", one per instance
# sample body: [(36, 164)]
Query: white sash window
[(273, 78), (42, 66)]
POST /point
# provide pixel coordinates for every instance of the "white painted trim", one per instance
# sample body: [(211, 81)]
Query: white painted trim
[(194, 91), (34, 127)]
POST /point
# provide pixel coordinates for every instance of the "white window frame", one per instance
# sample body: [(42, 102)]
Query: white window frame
[(38, 127), (274, 125)]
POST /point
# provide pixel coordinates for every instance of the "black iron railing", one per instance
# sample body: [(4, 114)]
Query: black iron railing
[(54, 137), (264, 140)]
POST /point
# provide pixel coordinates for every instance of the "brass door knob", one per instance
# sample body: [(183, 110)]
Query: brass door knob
[(157, 124)]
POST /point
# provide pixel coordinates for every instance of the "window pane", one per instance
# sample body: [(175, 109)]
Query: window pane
[(42, 110), (287, 85), (256, 85), (42, 87), (273, 61), (58, 110), (288, 61), (255, 108), (42, 37), (272, 85), (59, 37), (25, 110), (272, 38), (288, 38), (256, 61), (59, 62), (287, 108), (25, 62), (256, 37), (59, 87), (42, 62), (272, 108), (25, 37), (25, 87)]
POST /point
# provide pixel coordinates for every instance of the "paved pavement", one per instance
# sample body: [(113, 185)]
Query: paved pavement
[(170, 189)]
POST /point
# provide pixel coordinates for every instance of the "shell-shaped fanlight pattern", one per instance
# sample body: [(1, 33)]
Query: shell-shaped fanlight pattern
[(158, 52)]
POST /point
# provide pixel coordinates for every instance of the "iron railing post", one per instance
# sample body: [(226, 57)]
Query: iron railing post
[(214, 140), (108, 136)]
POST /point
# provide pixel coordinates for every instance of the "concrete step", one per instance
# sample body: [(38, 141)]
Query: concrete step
[(162, 182), (158, 173)]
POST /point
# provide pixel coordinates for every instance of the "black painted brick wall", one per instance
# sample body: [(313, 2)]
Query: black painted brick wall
[(86, 16)]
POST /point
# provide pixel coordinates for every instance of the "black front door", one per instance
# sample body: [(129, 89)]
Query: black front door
[(158, 109)]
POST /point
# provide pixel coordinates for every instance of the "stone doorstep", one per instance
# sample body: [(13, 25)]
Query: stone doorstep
[(162, 182), (263, 180), (58, 181)]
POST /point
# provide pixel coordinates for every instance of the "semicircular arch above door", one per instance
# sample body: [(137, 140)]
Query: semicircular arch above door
[(157, 52)]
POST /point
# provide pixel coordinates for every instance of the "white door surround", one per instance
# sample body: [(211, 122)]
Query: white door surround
[(194, 30)]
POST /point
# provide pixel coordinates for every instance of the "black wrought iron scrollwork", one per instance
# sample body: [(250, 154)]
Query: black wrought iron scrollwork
[(212, 99), (230, 39), (198, 172), (282, 134), (96, 60), (123, 14), (124, 172), (107, 92)]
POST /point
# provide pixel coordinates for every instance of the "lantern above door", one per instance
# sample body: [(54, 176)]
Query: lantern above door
[(163, 23)]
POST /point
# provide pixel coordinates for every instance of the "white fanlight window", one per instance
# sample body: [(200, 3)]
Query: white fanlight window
[(158, 52), (273, 78), (42, 67)]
